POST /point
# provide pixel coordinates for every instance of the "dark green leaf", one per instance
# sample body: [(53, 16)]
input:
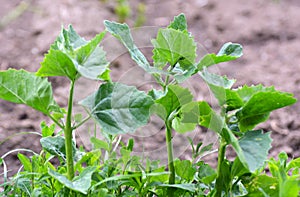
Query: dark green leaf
[(175, 98), (179, 23), (119, 108), (81, 183), (259, 106), (185, 169), (229, 51), (19, 86)]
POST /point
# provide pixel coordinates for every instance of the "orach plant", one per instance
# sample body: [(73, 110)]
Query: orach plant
[(119, 108)]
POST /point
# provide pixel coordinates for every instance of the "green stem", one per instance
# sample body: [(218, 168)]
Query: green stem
[(221, 158), (82, 122), (55, 121), (170, 153), (68, 135), (170, 157)]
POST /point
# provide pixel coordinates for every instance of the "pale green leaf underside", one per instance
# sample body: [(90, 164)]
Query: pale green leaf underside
[(229, 51), (255, 146), (122, 32), (20, 86), (252, 149), (119, 108), (217, 84)]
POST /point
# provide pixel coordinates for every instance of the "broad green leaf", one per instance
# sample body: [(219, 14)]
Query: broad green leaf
[(179, 23), (174, 46), (57, 63), (174, 99), (122, 32), (246, 92), (259, 106), (81, 183), (232, 100), (95, 65), (255, 146), (25, 161), (70, 54), (91, 59), (187, 187), (20, 86), (55, 146), (119, 108), (229, 51), (236, 98), (185, 169), (187, 119), (209, 118), (217, 84)]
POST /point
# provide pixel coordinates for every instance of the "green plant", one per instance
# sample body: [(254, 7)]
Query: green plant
[(119, 108)]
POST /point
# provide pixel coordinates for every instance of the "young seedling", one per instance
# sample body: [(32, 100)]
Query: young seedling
[(119, 108)]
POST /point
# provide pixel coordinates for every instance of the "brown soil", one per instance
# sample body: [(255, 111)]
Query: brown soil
[(268, 30)]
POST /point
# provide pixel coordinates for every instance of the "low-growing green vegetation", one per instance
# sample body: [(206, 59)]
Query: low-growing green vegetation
[(119, 109)]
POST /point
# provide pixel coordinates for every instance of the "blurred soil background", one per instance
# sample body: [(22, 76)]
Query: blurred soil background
[(269, 31)]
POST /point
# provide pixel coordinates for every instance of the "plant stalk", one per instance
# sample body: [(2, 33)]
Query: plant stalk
[(221, 158), (68, 135), (170, 153)]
